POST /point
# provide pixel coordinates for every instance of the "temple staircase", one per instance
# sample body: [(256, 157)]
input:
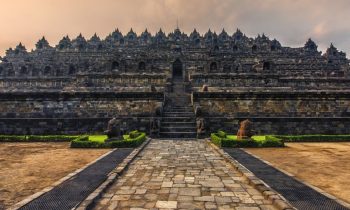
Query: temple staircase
[(178, 119)]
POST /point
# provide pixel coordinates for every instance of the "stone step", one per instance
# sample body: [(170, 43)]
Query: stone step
[(178, 110), (178, 135), (179, 88), (179, 96), (174, 98), (179, 124), (185, 101), (180, 107), (179, 119), (179, 103), (178, 114), (177, 129)]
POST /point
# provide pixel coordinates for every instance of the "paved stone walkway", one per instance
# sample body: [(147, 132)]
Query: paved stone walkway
[(172, 174)]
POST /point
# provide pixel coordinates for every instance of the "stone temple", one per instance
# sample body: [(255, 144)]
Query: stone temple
[(174, 85)]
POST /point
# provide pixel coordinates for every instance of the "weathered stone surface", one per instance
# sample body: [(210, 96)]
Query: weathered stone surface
[(212, 183), (167, 184), (190, 191), (166, 204), (201, 171)]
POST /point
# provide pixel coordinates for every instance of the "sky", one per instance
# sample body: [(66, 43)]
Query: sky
[(291, 22)]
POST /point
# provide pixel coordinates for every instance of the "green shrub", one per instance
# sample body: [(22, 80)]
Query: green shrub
[(314, 138), (50, 138), (83, 142), (272, 141), (87, 142), (82, 138), (36, 138), (134, 134), (135, 142), (256, 141), (221, 134), (12, 138), (216, 139), (240, 143)]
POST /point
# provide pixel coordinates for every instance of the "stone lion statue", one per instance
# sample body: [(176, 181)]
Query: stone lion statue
[(200, 124), (154, 126), (245, 130), (113, 128)]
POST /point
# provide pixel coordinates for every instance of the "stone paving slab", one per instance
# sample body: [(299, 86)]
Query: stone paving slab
[(176, 174)]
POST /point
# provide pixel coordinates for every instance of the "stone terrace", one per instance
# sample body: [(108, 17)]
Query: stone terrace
[(174, 174)]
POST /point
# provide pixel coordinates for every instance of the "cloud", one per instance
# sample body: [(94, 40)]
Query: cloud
[(290, 21)]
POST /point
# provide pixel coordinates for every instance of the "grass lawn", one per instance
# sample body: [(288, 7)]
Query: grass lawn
[(98, 138), (103, 138), (256, 138)]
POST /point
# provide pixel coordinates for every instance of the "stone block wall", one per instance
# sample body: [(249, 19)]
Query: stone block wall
[(135, 80), (131, 82), (77, 107), (277, 113), (51, 113), (282, 125), (229, 82), (33, 84), (79, 125)]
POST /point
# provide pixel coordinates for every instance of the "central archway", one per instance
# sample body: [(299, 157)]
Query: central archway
[(177, 69)]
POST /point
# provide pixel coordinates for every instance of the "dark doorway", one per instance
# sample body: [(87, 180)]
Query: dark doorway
[(115, 65), (235, 48), (254, 48), (213, 66), (216, 48), (71, 70), (23, 71), (47, 71), (266, 66), (273, 48), (142, 66), (177, 69), (227, 68)]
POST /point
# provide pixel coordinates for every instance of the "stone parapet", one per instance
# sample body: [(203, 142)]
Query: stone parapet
[(282, 125)]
